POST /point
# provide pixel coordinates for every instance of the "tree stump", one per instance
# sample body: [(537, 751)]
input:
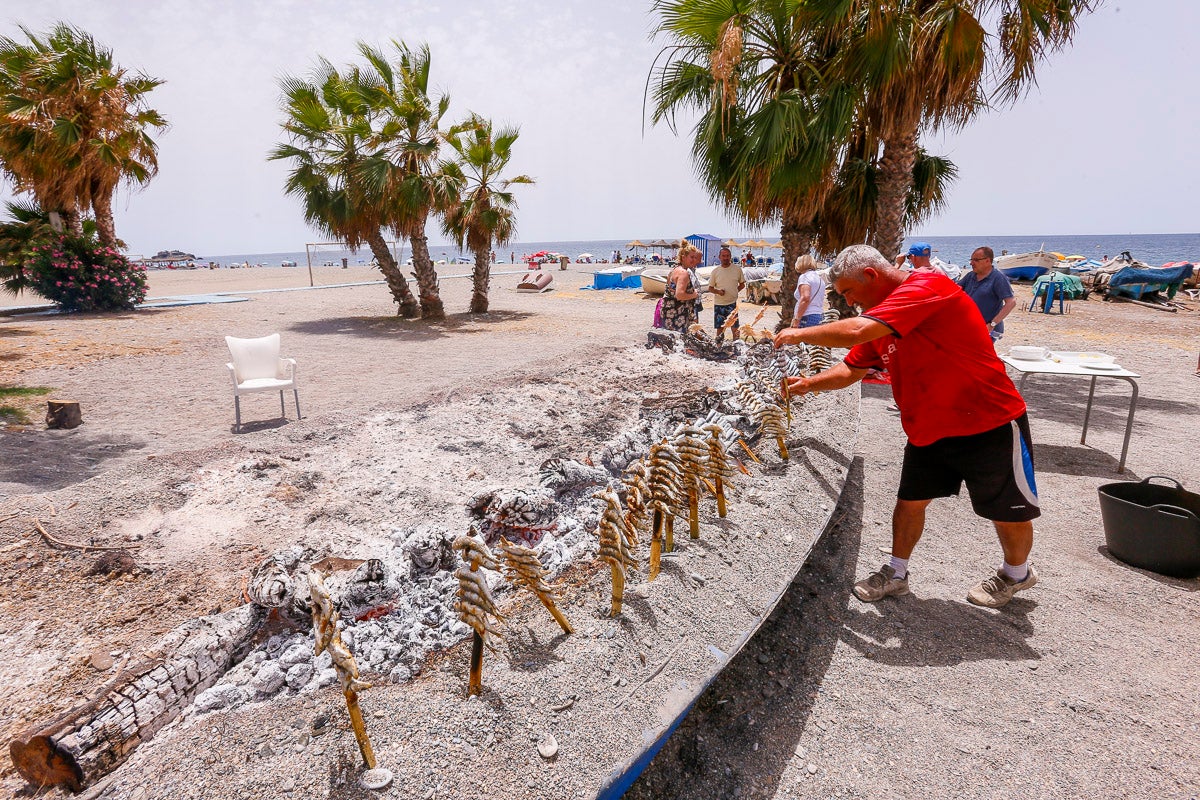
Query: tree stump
[(63, 414), (92, 739)]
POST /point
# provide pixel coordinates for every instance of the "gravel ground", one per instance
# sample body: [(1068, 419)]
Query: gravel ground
[(1084, 686)]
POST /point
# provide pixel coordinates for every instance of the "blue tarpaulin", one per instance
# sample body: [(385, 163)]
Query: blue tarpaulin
[(1166, 276)]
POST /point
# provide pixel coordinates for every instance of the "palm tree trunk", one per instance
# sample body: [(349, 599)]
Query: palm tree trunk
[(895, 181), (797, 234), (481, 280), (74, 221), (106, 227), (427, 279), (392, 274)]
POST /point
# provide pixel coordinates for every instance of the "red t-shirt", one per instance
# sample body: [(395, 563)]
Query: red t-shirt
[(946, 376)]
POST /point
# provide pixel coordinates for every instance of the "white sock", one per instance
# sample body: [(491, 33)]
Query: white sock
[(901, 567), (1016, 573)]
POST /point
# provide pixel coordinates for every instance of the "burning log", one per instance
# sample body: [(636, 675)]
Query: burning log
[(329, 637), (94, 738)]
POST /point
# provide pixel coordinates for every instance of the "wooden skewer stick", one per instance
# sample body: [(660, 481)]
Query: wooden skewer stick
[(656, 543), (475, 679), (787, 400), (360, 729), (554, 612), (783, 451), (720, 497), (749, 452), (618, 589), (694, 513), (669, 532)]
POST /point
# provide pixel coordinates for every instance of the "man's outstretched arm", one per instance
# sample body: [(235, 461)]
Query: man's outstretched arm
[(843, 333), (839, 376)]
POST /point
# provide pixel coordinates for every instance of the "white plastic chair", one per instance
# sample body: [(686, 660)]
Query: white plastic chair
[(257, 367)]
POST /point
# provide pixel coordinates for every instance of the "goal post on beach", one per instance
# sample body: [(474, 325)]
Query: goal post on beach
[(309, 247)]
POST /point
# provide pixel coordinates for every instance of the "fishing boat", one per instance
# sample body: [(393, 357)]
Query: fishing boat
[(654, 281), (1026, 266)]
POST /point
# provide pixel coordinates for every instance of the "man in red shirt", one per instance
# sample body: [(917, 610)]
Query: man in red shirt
[(965, 421)]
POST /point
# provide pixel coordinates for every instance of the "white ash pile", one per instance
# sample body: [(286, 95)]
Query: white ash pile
[(398, 606)]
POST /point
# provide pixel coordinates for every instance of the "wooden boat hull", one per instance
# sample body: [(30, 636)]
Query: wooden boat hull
[(1026, 266), (536, 282)]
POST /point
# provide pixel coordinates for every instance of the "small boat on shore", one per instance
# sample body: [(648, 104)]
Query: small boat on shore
[(536, 282), (1026, 266), (654, 281)]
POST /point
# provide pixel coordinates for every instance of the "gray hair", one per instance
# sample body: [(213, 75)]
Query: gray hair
[(851, 262)]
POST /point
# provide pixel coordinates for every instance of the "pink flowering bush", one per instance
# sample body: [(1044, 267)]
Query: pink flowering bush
[(81, 275)]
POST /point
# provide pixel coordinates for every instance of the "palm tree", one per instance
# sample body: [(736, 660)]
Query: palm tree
[(28, 225), (925, 64), (412, 139), (332, 134), (484, 212), (74, 125), (772, 117)]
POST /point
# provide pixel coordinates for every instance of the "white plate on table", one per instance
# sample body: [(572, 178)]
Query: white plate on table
[(1099, 367)]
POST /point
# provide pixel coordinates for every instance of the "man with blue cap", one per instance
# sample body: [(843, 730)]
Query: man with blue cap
[(917, 255)]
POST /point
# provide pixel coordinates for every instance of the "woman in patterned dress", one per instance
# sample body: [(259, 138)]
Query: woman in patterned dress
[(679, 300)]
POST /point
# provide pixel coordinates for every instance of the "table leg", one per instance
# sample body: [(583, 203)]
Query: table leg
[(1128, 423), (1024, 377), (1088, 413)]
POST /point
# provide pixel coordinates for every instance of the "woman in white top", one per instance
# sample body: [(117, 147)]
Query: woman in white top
[(810, 294)]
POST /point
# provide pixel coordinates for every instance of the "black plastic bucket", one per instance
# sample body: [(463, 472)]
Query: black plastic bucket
[(1153, 527)]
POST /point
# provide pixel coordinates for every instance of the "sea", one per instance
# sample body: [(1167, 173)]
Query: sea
[(1154, 249)]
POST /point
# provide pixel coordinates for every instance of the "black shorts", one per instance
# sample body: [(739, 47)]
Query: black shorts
[(996, 465)]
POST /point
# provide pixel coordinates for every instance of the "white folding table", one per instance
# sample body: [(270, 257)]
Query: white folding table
[(1066, 368)]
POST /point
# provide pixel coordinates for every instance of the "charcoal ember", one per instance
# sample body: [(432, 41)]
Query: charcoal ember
[(429, 549), (562, 475)]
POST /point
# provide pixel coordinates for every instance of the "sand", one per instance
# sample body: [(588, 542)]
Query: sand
[(156, 396)]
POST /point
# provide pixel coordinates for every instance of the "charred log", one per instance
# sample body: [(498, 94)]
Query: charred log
[(92, 739)]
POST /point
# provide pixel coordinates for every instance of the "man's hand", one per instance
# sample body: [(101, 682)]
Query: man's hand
[(788, 336), (798, 386)]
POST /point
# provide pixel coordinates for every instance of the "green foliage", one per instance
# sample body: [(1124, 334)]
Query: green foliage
[(17, 413), (80, 275), (73, 123)]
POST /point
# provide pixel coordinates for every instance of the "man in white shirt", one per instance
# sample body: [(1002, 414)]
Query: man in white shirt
[(724, 284)]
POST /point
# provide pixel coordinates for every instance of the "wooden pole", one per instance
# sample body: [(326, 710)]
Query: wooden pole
[(656, 543), (720, 497), (618, 589), (694, 513), (475, 681), (669, 532), (783, 451), (360, 730), (554, 612)]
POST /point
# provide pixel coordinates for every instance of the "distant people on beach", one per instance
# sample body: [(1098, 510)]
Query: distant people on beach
[(679, 309), (990, 289), (965, 421), (725, 283), (810, 294)]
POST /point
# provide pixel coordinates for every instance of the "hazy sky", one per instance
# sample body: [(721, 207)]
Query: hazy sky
[(1105, 144)]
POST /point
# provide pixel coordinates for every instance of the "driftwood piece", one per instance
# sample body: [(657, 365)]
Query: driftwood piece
[(63, 414), (79, 545), (92, 739)]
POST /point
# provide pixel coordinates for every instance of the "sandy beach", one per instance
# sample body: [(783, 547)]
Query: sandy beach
[(1083, 687)]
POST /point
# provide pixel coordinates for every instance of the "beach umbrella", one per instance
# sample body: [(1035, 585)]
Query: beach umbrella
[(729, 243), (775, 245), (636, 243)]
